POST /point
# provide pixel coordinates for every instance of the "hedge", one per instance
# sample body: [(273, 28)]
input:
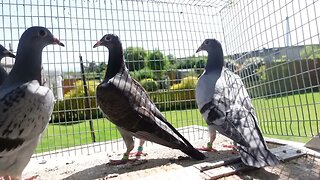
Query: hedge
[(74, 108), (287, 78)]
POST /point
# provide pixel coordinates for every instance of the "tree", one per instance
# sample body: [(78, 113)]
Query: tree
[(310, 52), (157, 60), (135, 58), (172, 59)]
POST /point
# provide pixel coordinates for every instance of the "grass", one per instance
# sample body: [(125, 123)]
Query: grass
[(64, 136), (292, 117)]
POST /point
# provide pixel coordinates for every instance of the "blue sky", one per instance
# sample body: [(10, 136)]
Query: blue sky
[(176, 29)]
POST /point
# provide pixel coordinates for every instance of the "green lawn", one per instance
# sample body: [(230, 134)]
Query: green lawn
[(63, 136), (288, 116), (281, 117)]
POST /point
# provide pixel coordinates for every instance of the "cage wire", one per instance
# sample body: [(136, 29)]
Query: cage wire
[(272, 45)]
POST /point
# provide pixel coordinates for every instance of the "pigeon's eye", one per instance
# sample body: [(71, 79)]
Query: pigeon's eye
[(206, 42), (108, 38), (42, 33)]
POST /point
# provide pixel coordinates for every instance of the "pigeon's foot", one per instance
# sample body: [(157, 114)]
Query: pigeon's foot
[(4, 178), (233, 147), (17, 178), (229, 146), (120, 161), (208, 149), (32, 178), (138, 153)]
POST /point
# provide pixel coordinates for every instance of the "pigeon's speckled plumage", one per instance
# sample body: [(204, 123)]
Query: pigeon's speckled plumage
[(25, 105), (225, 105), (128, 106), (4, 53)]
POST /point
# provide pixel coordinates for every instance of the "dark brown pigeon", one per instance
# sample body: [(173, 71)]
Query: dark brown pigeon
[(128, 106)]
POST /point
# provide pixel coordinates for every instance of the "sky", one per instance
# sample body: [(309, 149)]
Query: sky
[(176, 29)]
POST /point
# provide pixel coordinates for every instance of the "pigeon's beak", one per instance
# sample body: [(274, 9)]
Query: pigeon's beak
[(97, 44), (57, 41), (199, 49), (9, 54)]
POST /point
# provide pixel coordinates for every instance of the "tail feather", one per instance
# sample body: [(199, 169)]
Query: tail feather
[(192, 152), (258, 157)]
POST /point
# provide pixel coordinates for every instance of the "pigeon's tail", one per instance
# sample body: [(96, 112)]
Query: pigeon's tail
[(192, 152), (258, 157)]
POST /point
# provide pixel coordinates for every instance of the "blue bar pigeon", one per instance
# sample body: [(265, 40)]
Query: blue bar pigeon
[(128, 106), (226, 106), (4, 53), (25, 105)]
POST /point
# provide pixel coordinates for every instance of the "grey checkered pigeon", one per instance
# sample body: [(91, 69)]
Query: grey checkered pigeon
[(4, 53), (226, 106), (127, 105), (25, 105)]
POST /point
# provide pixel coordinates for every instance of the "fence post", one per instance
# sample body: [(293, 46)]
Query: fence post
[(87, 100)]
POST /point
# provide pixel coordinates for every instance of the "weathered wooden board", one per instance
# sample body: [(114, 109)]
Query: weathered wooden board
[(215, 170)]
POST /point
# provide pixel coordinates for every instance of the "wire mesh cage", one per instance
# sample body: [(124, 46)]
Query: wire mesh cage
[(273, 46)]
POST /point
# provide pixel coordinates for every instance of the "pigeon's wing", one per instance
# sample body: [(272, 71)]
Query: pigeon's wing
[(222, 110), (24, 114), (142, 100), (139, 99), (148, 102)]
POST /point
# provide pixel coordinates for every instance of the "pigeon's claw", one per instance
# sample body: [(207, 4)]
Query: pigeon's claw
[(207, 149), (32, 178), (138, 153)]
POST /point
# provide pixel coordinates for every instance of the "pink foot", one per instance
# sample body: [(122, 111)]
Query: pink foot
[(229, 146), (138, 153), (233, 147), (32, 178), (207, 149)]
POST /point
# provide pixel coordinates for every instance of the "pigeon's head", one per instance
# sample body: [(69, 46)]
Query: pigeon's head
[(210, 45), (109, 41), (38, 37), (5, 53)]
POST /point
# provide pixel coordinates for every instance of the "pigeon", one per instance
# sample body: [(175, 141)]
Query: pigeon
[(25, 105), (4, 53), (226, 106), (127, 104)]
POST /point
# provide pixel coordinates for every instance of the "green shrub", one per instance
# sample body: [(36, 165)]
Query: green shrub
[(157, 60), (189, 82), (287, 77), (135, 58), (144, 73), (174, 100), (74, 107), (180, 96), (149, 84)]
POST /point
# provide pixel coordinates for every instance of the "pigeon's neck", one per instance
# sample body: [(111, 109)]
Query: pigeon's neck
[(115, 63), (27, 66), (215, 62)]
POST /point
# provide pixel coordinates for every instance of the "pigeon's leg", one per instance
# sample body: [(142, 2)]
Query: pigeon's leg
[(128, 140), (213, 135), (140, 149)]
